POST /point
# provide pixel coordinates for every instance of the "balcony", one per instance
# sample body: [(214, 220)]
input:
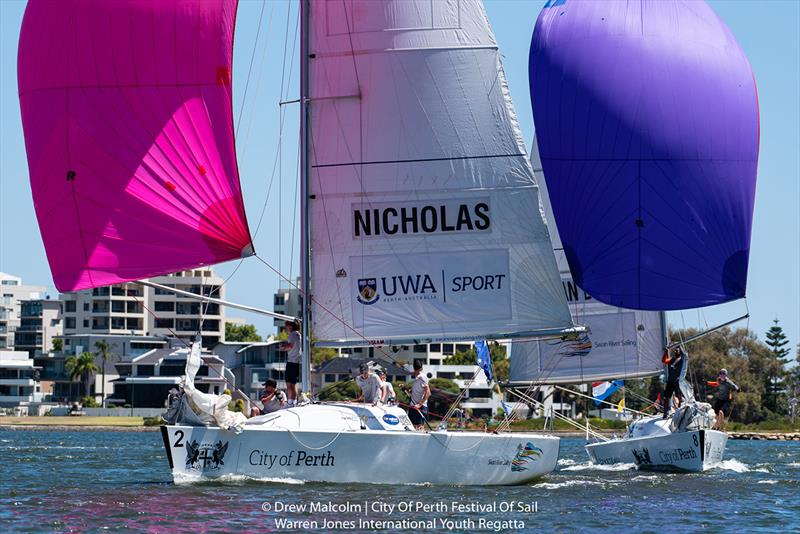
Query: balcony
[(16, 398), (26, 382)]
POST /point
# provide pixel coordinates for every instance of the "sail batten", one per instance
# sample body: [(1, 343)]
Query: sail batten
[(424, 210), (128, 121)]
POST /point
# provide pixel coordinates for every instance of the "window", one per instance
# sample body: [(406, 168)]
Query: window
[(70, 306), (160, 291), (146, 370), (117, 323), (344, 377), (165, 323), (69, 322), (86, 323), (435, 347), (165, 306), (280, 300), (171, 370), (117, 306), (462, 348), (85, 306), (480, 393), (330, 377), (447, 349), (420, 349)]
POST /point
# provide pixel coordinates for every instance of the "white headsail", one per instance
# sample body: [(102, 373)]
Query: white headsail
[(621, 343), (424, 210)]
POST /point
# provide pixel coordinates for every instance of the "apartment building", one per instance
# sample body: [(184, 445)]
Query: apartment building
[(39, 322), (19, 384), (136, 310), (288, 301), (12, 291)]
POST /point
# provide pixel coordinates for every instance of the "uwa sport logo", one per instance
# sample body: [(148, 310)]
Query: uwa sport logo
[(393, 286)]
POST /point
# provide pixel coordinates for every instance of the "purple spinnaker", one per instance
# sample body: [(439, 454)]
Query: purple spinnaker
[(646, 116), (126, 108)]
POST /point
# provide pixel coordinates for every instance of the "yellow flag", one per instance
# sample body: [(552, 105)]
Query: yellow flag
[(621, 405)]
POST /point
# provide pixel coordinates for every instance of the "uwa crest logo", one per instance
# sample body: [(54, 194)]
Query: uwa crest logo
[(368, 290)]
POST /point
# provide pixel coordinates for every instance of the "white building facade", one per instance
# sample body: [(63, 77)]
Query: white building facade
[(18, 382), (133, 309), (12, 291)]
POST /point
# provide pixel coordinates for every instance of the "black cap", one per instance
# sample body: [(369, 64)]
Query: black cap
[(363, 368)]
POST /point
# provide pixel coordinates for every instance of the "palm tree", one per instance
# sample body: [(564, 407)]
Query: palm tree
[(81, 368), (104, 351)]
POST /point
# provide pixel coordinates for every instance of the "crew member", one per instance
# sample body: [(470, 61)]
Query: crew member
[(272, 400), (387, 390), (370, 385), (675, 360), (723, 398), (292, 347), (420, 393)]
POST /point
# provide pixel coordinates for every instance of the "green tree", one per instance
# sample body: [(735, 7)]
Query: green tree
[(81, 368), (103, 350), (340, 391), (244, 332), (749, 362), (58, 344), (497, 352), (322, 354), (776, 341), (444, 384)]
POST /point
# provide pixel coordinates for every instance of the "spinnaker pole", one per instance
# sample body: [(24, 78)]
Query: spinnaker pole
[(305, 171), (707, 331)]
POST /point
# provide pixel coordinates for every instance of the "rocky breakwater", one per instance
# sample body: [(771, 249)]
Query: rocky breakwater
[(773, 436)]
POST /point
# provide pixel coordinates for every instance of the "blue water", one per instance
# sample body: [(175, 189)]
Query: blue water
[(73, 481)]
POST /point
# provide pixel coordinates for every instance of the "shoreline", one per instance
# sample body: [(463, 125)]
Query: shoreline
[(81, 428)]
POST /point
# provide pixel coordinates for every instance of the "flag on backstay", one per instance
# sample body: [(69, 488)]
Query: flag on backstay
[(602, 390), (483, 359)]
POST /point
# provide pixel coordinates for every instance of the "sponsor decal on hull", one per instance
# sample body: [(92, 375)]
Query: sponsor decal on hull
[(642, 457), (205, 456), (529, 452)]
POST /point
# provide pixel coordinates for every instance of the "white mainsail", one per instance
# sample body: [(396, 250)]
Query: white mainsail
[(621, 343), (424, 210)]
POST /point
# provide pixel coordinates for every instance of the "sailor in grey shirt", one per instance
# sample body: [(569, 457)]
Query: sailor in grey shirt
[(370, 385)]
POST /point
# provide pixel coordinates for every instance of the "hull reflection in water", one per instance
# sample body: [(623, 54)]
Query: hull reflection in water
[(356, 443)]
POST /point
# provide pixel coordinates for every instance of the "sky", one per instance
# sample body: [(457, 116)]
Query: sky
[(265, 74)]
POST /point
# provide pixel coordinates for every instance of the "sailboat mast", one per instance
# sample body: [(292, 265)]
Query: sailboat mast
[(305, 168)]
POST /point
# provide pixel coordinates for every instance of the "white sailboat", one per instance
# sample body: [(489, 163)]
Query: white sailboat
[(422, 219), (420, 212), (622, 344), (647, 132)]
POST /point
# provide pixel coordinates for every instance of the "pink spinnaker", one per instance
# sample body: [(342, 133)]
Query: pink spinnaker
[(128, 120)]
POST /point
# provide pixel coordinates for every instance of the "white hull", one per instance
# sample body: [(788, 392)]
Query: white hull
[(681, 451), (370, 455)]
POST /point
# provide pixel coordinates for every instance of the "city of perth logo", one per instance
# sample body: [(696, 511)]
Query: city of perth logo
[(368, 290), (205, 456)]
